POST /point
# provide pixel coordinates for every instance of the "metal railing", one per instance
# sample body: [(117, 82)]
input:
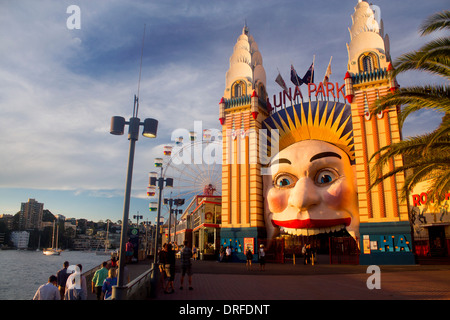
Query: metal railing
[(139, 288)]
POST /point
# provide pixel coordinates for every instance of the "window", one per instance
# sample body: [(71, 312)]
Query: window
[(238, 89), (368, 62)]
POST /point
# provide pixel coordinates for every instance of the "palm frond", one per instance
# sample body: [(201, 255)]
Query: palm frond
[(440, 134), (440, 185), (437, 50), (414, 99), (415, 61), (416, 176), (413, 147), (428, 166), (426, 156), (437, 21)]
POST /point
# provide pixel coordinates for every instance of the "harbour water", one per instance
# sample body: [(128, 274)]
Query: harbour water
[(22, 272)]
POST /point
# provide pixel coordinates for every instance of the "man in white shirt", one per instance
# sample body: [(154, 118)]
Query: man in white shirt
[(76, 288), (48, 291), (228, 253)]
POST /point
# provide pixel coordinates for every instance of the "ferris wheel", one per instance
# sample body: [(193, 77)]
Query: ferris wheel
[(194, 165)]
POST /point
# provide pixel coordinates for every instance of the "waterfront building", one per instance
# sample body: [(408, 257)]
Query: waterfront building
[(20, 239), (31, 213), (8, 220)]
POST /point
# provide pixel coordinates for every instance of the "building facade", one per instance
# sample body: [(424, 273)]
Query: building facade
[(380, 227), (430, 221), (200, 226), (31, 215), (384, 223), (243, 107), (20, 239)]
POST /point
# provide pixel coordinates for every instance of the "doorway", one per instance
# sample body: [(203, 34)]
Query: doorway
[(438, 247)]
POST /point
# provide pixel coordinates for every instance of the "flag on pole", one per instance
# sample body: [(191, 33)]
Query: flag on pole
[(326, 78), (281, 82), (309, 75), (295, 79)]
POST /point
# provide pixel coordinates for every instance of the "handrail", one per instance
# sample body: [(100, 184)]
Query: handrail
[(135, 288), (138, 288)]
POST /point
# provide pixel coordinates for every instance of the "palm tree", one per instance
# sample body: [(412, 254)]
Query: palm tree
[(426, 156)]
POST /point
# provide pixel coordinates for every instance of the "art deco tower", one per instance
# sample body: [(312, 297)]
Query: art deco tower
[(242, 109), (367, 79)]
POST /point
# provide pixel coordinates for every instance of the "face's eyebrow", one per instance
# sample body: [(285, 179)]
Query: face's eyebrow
[(324, 155), (282, 160)]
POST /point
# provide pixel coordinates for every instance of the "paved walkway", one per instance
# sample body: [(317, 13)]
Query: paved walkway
[(231, 281)]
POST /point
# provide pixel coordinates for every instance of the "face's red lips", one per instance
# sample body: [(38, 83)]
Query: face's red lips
[(311, 223)]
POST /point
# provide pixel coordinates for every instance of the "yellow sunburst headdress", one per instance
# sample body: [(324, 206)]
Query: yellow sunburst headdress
[(325, 121)]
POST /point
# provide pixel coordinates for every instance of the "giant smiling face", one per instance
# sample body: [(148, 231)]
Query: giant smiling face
[(311, 189)]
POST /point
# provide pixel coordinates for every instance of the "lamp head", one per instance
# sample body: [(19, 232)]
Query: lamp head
[(150, 128), (117, 125), (169, 182)]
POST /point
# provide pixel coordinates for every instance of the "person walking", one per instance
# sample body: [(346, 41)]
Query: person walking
[(221, 253), (311, 254), (162, 265), (228, 254), (129, 251), (61, 277), (186, 265), (109, 282), (308, 253), (170, 268), (262, 258), (97, 281), (194, 253), (249, 256), (305, 257), (76, 289), (48, 291)]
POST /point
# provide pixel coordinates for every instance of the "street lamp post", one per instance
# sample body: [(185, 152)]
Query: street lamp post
[(137, 217), (170, 202), (117, 128), (160, 183)]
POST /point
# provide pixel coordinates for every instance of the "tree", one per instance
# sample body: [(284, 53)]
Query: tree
[(426, 156)]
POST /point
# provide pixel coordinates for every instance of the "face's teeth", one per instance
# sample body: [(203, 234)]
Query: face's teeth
[(313, 231)]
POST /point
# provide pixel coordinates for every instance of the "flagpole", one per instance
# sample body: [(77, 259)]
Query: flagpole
[(312, 72), (298, 80), (325, 80)]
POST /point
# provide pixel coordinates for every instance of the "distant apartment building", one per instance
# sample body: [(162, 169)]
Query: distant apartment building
[(20, 239), (8, 220), (31, 215)]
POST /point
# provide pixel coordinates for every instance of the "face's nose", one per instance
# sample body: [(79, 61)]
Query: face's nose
[(304, 195)]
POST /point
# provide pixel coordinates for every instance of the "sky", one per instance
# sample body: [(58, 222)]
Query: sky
[(59, 86)]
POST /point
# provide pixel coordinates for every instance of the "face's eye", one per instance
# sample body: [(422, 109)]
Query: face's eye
[(326, 177), (282, 181)]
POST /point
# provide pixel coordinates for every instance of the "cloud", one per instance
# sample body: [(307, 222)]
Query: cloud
[(60, 87)]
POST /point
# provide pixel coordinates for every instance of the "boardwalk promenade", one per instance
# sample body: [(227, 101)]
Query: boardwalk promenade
[(231, 281)]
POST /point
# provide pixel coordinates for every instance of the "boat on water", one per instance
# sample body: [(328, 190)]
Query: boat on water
[(53, 251)]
